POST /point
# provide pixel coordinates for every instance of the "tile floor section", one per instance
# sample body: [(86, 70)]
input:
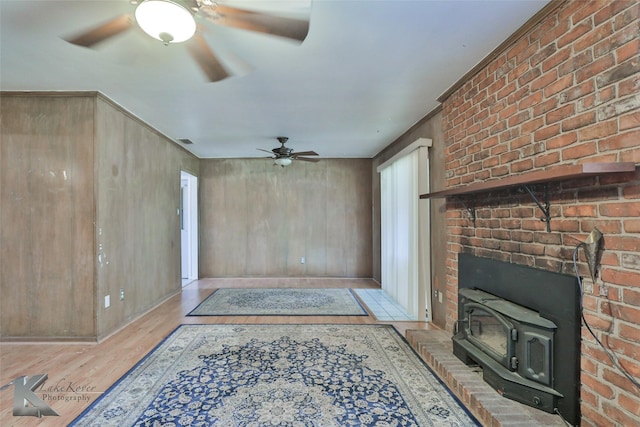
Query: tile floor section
[(382, 306)]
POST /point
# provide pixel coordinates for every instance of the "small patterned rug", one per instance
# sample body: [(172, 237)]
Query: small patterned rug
[(280, 302), (279, 375)]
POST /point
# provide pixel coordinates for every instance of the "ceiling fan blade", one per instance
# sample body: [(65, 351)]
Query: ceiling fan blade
[(291, 28), (102, 32), (206, 59), (306, 159), (266, 151), (305, 153)]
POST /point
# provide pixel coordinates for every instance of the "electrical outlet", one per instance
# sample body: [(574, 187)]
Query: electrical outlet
[(107, 301), (121, 294), (302, 260)]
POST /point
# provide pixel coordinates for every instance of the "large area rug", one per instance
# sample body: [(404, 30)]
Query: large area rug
[(280, 302), (279, 375)]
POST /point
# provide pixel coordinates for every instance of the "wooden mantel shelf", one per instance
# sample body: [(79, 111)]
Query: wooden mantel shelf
[(557, 173)]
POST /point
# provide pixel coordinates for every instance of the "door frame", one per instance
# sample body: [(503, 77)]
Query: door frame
[(189, 218)]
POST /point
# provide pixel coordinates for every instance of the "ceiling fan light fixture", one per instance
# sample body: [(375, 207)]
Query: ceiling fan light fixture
[(165, 20), (282, 161)]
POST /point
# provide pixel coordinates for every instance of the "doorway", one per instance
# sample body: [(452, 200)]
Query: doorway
[(405, 229), (188, 227)]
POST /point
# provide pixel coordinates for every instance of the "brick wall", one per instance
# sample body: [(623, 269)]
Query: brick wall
[(566, 92)]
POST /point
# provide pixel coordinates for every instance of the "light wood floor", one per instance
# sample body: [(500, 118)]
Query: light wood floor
[(84, 371)]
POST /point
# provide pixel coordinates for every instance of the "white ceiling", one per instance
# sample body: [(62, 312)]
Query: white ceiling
[(367, 71)]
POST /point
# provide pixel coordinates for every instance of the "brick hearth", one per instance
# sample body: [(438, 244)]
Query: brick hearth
[(491, 409)]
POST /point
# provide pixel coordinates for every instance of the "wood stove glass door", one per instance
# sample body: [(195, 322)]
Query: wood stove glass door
[(491, 332)]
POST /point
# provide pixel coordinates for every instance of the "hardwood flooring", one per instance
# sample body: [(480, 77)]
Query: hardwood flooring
[(79, 373)]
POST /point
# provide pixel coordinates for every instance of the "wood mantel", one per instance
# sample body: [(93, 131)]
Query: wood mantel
[(557, 173)]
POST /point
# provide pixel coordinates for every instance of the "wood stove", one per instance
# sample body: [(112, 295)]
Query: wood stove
[(521, 325)]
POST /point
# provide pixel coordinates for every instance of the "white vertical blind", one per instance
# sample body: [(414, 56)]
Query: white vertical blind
[(399, 188)]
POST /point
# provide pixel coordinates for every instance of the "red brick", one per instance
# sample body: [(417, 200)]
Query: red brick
[(520, 142), (547, 132), (499, 171), (632, 156), (598, 322), (530, 75), (619, 380), (628, 50), (542, 54), (562, 140), (616, 414), (628, 87), (629, 332), (509, 156), (507, 112), (578, 121), (595, 68), (597, 386), (534, 225), (629, 403), (619, 141), (590, 347), (606, 94), (625, 209), (544, 107), (611, 9), (558, 86), (628, 68), (606, 227), (585, 12), (618, 277), (518, 118), (577, 31), (576, 62), (623, 347), (629, 16), (579, 211), (531, 125), (554, 60), (547, 159), (623, 312), (579, 151), (599, 130), (560, 27), (594, 37), (632, 225), (560, 113), (589, 398), (595, 415), (577, 91)]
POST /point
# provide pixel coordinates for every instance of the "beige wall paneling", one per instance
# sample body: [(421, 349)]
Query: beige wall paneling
[(69, 160), (314, 192), (356, 220), (138, 228), (47, 217), (259, 220)]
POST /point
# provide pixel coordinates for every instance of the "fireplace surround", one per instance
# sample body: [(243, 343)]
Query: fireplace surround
[(521, 325)]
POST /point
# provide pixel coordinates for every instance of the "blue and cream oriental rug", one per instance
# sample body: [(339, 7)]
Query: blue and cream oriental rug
[(280, 302), (279, 375)]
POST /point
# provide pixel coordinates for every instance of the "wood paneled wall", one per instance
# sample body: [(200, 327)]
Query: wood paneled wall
[(137, 226), (257, 219), (46, 217), (89, 199)]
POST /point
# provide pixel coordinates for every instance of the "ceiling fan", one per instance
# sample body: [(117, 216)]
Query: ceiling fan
[(284, 156), (174, 21)]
